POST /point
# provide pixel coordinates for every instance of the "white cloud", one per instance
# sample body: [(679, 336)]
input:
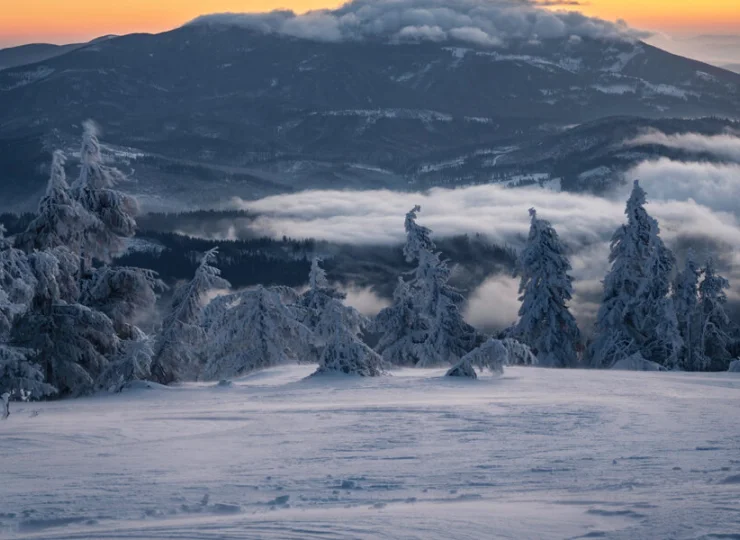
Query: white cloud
[(376, 217), (725, 147), (686, 200), (364, 300), (715, 186), (422, 33), (691, 209), (479, 22), (494, 305)]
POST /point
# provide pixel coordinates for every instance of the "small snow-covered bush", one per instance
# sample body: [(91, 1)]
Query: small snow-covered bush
[(734, 366), (492, 355), (519, 353), (132, 363), (344, 353)]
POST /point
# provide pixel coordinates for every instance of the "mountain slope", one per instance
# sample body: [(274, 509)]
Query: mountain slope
[(272, 113), (30, 54)]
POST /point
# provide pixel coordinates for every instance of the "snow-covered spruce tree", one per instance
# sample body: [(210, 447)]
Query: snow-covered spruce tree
[(685, 296), (715, 327), (662, 341), (635, 316), (17, 284), (256, 331), (436, 333), (20, 377), (317, 279), (345, 353), (61, 220), (491, 355), (545, 322), (418, 237), (114, 210), (449, 337), (318, 306), (125, 294), (71, 342), (176, 349), (404, 330), (132, 363), (519, 353)]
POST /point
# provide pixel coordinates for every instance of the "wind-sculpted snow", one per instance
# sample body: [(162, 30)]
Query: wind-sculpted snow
[(535, 453)]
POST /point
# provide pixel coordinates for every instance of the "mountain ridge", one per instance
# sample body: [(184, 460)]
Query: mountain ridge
[(258, 114)]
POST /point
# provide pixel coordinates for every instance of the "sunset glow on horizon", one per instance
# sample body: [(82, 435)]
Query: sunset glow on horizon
[(68, 21)]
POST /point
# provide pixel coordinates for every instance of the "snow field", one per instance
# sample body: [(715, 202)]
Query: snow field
[(535, 453)]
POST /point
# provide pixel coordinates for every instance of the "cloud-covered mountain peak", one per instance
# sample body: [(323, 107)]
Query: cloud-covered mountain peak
[(488, 23)]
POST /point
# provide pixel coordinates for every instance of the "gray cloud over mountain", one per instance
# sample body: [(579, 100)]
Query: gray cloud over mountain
[(724, 147), (480, 22)]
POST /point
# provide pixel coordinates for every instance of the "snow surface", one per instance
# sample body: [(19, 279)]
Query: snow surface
[(535, 453), (637, 363)]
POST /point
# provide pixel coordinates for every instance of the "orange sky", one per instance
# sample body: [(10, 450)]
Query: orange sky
[(63, 21)]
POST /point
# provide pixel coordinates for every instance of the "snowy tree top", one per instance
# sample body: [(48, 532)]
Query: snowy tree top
[(317, 277), (58, 177), (638, 197), (418, 237)]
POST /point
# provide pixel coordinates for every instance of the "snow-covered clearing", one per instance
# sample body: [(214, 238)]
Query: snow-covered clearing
[(535, 453)]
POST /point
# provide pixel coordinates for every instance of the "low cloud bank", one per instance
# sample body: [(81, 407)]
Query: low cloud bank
[(724, 147), (695, 203), (479, 22), (364, 300)]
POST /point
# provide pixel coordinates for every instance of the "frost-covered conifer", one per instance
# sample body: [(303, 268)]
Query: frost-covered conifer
[(345, 353), (449, 335), (715, 325), (435, 333), (685, 297), (491, 355), (635, 315), (519, 353), (175, 353), (545, 322), (21, 377), (61, 220), (317, 279), (132, 363), (94, 189), (404, 330), (72, 343), (418, 237), (256, 331), (318, 306), (661, 337), (17, 285), (125, 294)]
